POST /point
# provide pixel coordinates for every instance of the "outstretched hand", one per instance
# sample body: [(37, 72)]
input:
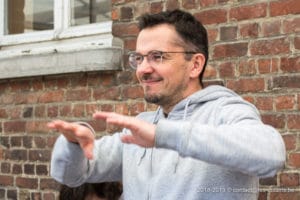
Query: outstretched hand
[(142, 133), (76, 133)]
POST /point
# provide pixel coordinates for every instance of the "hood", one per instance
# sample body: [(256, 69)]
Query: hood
[(187, 106)]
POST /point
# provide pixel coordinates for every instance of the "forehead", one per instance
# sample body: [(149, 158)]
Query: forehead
[(161, 37)]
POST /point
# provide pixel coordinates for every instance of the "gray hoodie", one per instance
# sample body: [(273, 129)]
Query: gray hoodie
[(212, 146)]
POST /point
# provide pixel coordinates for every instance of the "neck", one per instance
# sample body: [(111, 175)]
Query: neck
[(169, 107)]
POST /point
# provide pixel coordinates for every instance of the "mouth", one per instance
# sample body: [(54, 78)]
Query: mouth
[(148, 80)]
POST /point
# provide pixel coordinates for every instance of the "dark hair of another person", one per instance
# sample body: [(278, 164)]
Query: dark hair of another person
[(110, 191), (191, 31)]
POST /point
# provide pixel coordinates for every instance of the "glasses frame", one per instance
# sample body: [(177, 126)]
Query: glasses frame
[(151, 59)]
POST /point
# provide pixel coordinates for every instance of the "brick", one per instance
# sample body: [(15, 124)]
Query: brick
[(247, 67), (125, 29), (39, 155), (27, 113), (6, 180), (12, 194), (16, 154), (132, 92), (41, 170), (40, 111), (130, 44), (29, 169), (47, 183), (213, 16), (189, 4), (249, 30), (156, 7), (268, 181), (126, 13), (228, 33), (36, 195), (20, 85), (172, 4), (230, 50), (52, 96), (247, 85), (297, 42), (271, 28), (5, 167), (291, 25), (268, 65), (284, 195), (78, 110), (290, 64), (212, 34), (49, 196), (3, 113), (122, 109), (284, 102), (270, 47), (293, 121), (27, 142), (52, 111), (207, 3), (78, 95), (40, 142), (17, 169), (210, 72), (112, 93), (286, 82), (289, 179), (290, 141), (227, 70), (115, 14), (284, 7), (25, 182), (137, 108), (275, 120), (248, 12), (2, 194), (264, 103), (262, 196), (294, 159), (65, 111), (37, 126), (16, 141)]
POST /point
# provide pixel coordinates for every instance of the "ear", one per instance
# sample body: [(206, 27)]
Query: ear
[(198, 61)]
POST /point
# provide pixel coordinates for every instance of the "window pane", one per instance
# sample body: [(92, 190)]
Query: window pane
[(29, 15), (90, 11)]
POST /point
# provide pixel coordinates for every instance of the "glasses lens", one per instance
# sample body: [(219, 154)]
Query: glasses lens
[(155, 57), (134, 59)]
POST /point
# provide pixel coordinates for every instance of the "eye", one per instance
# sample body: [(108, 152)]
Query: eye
[(156, 56)]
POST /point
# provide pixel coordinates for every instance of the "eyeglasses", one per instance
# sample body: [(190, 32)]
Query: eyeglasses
[(154, 57)]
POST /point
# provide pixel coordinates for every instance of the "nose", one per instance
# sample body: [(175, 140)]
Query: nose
[(145, 67)]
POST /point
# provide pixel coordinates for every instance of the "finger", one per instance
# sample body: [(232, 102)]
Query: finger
[(101, 115), (129, 139), (88, 150)]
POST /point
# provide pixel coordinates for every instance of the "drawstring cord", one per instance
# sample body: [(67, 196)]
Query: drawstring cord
[(155, 120), (184, 117)]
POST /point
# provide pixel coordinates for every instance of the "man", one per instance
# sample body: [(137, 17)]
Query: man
[(202, 143)]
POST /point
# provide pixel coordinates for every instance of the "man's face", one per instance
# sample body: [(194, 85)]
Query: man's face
[(168, 82)]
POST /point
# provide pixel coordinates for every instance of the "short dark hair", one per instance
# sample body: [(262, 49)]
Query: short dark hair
[(191, 30)]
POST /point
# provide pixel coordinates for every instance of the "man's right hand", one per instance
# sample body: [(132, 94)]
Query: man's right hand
[(76, 133)]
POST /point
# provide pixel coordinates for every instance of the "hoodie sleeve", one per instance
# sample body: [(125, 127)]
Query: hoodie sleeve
[(70, 167), (237, 139)]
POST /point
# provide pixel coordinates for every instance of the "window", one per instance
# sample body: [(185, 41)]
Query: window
[(40, 28)]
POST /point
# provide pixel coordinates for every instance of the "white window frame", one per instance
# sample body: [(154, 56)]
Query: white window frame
[(82, 41)]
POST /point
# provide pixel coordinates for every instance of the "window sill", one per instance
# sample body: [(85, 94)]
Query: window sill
[(93, 53)]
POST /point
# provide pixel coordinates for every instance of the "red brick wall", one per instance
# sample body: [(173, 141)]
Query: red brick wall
[(254, 50)]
